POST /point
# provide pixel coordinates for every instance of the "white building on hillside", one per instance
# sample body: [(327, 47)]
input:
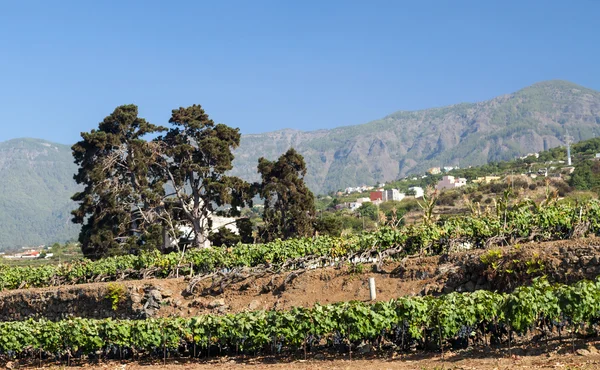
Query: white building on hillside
[(419, 192), (392, 194), (450, 182), (188, 232)]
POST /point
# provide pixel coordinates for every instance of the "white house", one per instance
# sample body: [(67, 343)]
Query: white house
[(188, 232), (419, 192), (392, 194), (353, 206), (450, 182)]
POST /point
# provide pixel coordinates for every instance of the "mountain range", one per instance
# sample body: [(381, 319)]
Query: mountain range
[(529, 120), (36, 179)]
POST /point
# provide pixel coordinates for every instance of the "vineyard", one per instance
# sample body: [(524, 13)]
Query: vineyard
[(423, 322), (507, 225), (406, 323)]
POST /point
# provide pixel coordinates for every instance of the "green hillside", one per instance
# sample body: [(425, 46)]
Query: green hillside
[(37, 176), (35, 187), (530, 120)]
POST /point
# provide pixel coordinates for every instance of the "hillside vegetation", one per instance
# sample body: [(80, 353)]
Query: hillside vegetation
[(37, 176), (35, 190), (530, 120)]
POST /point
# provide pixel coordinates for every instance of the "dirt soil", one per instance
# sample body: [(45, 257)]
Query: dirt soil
[(551, 356), (563, 261)]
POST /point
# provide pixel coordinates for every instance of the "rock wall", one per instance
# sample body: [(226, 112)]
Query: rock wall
[(90, 301), (505, 269)]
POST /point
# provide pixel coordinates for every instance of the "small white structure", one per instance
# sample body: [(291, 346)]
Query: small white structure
[(536, 155), (188, 232), (353, 206), (450, 182), (419, 192), (392, 194), (358, 189)]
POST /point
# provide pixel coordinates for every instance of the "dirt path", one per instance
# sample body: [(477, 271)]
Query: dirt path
[(560, 358)]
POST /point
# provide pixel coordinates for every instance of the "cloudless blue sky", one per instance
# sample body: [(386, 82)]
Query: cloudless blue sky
[(265, 65)]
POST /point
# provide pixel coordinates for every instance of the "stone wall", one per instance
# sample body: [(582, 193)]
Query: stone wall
[(90, 301), (503, 270)]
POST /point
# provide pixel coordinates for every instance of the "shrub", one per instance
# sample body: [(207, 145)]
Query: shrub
[(116, 294)]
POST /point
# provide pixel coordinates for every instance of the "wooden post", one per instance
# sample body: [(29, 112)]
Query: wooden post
[(372, 290)]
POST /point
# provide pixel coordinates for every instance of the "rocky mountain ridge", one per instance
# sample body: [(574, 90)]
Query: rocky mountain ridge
[(36, 180), (529, 120)]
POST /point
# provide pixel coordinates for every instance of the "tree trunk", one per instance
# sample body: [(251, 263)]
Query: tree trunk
[(200, 234)]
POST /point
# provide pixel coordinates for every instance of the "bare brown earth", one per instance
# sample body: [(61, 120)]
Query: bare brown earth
[(563, 261), (585, 355)]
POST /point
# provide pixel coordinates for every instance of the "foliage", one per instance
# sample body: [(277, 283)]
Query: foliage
[(329, 224), (586, 176), (591, 146), (510, 224), (224, 237), (407, 321), (491, 258), (342, 222), (116, 294), (124, 206), (116, 169), (368, 210), (199, 154), (289, 206)]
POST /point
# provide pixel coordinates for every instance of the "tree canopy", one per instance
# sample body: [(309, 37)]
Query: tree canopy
[(199, 153), (289, 206), (118, 172), (125, 205)]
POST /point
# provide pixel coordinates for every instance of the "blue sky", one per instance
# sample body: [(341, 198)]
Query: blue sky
[(265, 65)]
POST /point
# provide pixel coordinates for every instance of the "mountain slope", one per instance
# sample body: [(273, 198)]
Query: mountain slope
[(530, 120), (36, 177), (36, 184)]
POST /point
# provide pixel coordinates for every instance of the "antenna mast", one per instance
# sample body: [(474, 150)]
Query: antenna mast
[(568, 141)]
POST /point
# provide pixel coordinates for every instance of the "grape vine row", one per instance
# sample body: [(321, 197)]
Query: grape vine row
[(507, 224), (477, 318)]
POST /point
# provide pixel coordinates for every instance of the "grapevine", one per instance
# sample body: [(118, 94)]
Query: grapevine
[(424, 321), (520, 222)]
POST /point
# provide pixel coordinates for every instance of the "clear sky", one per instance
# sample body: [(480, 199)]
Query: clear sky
[(266, 65)]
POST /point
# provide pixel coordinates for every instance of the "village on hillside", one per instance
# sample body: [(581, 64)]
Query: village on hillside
[(442, 178), (29, 253)]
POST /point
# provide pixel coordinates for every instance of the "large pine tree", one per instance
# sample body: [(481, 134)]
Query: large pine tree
[(289, 209), (199, 153), (122, 185)]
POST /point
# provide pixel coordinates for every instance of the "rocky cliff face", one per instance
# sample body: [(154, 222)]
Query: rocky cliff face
[(530, 120)]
